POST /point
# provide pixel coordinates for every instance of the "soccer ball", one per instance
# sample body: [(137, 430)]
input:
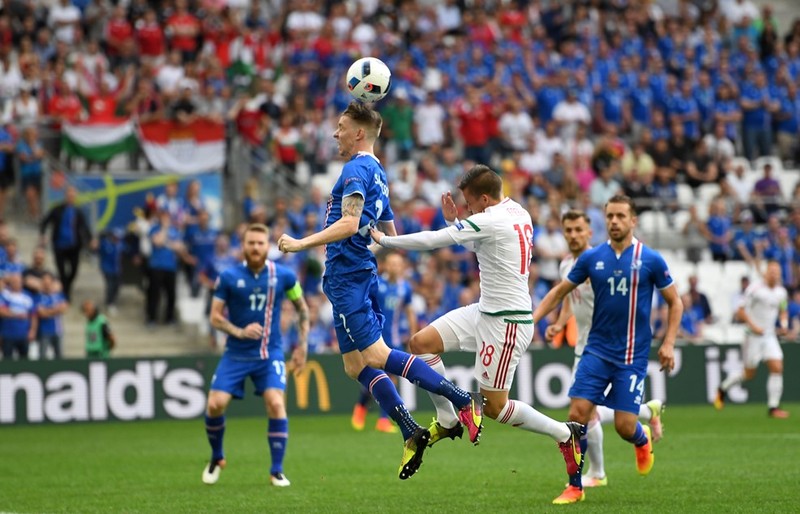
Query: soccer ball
[(369, 79)]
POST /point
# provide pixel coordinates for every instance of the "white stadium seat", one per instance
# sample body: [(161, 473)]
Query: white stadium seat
[(685, 195)]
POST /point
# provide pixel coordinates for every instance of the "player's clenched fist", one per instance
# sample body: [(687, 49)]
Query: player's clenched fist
[(252, 331), (288, 244)]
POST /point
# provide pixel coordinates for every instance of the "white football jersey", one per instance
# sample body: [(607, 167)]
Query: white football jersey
[(763, 304), (502, 239), (582, 299)]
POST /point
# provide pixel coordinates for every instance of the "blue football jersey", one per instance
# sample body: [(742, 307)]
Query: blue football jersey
[(363, 175), (393, 299), (255, 298), (623, 291)]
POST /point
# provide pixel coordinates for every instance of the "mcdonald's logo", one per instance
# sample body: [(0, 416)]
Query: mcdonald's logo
[(302, 380)]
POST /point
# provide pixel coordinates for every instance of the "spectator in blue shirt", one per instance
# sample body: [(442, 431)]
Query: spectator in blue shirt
[(50, 309), (640, 105), (68, 236), (746, 242), (718, 231), (757, 107), (691, 327), (788, 122), (110, 252), (18, 313), (30, 154), (167, 250), (200, 239), (685, 111), (705, 97), (6, 168), (728, 111), (782, 251), (608, 109)]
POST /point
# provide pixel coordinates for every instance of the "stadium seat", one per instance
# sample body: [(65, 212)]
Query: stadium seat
[(788, 179), (744, 162), (734, 270), (714, 333), (652, 222), (707, 192), (681, 270), (777, 165), (680, 218), (685, 195)]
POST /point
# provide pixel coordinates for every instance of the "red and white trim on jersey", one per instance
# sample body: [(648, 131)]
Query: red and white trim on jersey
[(376, 380), (505, 356), (509, 412), (635, 268), (407, 367), (271, 277)]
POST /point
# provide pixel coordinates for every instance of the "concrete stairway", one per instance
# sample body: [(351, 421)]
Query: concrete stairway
[(134, 339)]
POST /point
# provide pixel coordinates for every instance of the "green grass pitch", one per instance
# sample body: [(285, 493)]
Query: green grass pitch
[(736, 460)]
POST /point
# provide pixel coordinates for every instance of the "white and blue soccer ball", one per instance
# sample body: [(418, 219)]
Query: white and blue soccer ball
[(369, 79)]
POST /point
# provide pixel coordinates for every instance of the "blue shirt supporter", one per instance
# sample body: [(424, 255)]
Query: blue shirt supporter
[(110, 252), (758, 116), (50, 325), (164, 257), (393, 297), (22, 307)]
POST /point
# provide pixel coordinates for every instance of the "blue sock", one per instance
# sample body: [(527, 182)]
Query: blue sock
[(639, 437), (575, 479), (418, 372), (278, 437), (364, 397), (385, 393), (215, 430)]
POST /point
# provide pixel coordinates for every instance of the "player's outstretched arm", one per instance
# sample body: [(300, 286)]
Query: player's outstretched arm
[(427, 240), (666, 354), (552, 299), (344, 227)]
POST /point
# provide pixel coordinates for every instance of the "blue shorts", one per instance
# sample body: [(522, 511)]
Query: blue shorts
[(357, 316), (231, 374), (595, 374)]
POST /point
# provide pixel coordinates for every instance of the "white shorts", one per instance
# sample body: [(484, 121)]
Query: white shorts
[(760, 348), (497, 341)]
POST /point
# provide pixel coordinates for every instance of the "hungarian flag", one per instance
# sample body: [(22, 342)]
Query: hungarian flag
[(98, 141), (173, 147)]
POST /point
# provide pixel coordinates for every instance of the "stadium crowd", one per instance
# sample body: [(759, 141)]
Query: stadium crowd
[(573, 101)]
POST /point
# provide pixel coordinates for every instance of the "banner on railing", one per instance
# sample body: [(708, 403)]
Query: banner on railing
[(174, 147), (99, 141), (141, 389)]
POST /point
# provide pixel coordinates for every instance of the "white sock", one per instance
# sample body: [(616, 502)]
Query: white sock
[(445, 412), (774, 390), (522, 415), (594, 450), (732, 380), (606, 415), (645, 414)]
